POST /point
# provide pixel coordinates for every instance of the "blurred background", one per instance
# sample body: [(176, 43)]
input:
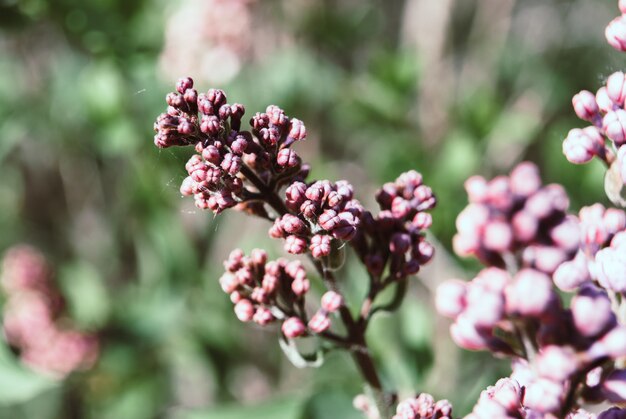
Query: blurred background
[(450, 88)]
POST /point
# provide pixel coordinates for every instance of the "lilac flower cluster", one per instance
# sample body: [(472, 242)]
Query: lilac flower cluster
[(507, 400), (322, 211), (563, 356), (231, 164), (31, 319), (605, 111), (266, 291), (395, 236), (258, 172), (515, 216), (596, 259), (423, 407)]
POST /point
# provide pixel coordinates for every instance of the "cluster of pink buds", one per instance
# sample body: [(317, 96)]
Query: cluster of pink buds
[(265, 291), (563, 356), (257, 171), (325, 211), (598, 227), (231, 165), (423, 407), (507, 399), (605, 111), (395, 237), (516, 217), (31, 317)]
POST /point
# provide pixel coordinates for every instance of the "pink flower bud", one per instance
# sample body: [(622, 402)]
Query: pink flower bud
[(614, 386), (276, 115), (231, 163), (472, 220), (466, 335), (616, 87), (269, 283), (614, 220), (508, 393), (297, 130), (328, 220), (591, 310), (259, 295), (287, 158), (211, 154), (529, 294), (422, 220), (331, 301), (244, 310), (187, 187), (465, 245), (476, 188), (524, 225), (622, 6), (295, 269), (244, 276), (425, 252), (229, 283), (488, 408), (293, 327), (276, 230), (316, 192), (300, 286), (258, 256), (320, 246), (346, 227), (544, 258), (263, 316), (525, 179), (613, 344), (499, 193), (294, 195), (614, 124), (239, 145), (581, 145), (210, 124), (319, 322), (615, 33), (309, 209), (572, 274), (604, 101), (556, 363), (498, 236), (484, 306), (610, 268), (234, 261), (292, 224), (400, 207), (183, 84), (585, 105), (566, 234), (236, 296), (544, 395)]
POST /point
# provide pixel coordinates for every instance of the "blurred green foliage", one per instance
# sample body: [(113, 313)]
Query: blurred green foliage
[(80, 179)]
